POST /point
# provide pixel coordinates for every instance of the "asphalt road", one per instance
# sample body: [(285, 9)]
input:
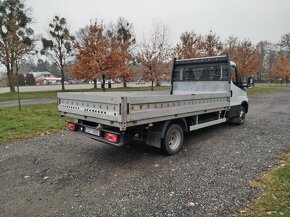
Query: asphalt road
[(48, 87), (27, 102), (54, 100), (72, 87), (64, 174)]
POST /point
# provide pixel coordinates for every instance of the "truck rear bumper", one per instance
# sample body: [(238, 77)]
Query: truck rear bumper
[(100, 134)]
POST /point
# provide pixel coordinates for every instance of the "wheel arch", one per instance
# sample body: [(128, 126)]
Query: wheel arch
[(181, 121), (245, 104)]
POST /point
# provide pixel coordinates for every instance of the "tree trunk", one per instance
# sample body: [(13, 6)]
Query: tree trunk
[(10, 79), (152, 83), (158, 83), (104, 83), (17, 82), (125, 82), (95, 83), (62, 78)]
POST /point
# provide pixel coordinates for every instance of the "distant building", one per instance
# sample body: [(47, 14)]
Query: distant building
[(3, 79), (3, 82), (45, 78)]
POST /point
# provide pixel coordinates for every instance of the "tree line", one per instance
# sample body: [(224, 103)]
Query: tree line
[(99, 52)]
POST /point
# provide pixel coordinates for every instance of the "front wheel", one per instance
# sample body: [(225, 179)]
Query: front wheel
[(241, 116), (173, 139)]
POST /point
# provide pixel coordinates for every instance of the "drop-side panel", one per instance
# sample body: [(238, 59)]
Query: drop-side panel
[(127, 110), (143, 109), (96, 107)]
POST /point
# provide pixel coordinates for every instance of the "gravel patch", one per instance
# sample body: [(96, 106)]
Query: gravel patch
[(65, 174)]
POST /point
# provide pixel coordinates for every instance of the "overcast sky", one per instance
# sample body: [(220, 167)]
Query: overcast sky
[(248, 19)]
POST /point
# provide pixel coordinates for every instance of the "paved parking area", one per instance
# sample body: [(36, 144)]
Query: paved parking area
[(64, 174)]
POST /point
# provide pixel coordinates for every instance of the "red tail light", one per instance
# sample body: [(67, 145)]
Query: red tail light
[(111, 137), (71, 126)]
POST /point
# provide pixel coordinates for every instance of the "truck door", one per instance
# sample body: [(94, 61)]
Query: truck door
[(238, 92)]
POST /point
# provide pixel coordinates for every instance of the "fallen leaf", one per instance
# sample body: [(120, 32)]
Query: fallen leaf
[(191, 204)]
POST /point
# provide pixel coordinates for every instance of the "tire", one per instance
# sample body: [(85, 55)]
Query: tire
[(241, 116), (173, 139)]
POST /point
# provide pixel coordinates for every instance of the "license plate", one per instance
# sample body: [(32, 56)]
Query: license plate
[(92, 131)]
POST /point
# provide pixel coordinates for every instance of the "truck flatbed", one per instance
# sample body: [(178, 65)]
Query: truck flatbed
[(127, 109)]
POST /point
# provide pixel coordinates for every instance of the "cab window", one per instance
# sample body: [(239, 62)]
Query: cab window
[(234, 75)]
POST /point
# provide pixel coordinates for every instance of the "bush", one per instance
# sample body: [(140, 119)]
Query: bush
[(21, 80), (30, 80)]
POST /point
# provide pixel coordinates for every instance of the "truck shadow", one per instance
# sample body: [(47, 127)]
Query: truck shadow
[(102, 163), (137, 149)]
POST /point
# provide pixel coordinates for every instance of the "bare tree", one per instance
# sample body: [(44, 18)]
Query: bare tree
[(16, 37), (58, 47), (262, 48), (155, 54), (285, 44), (270, 60), (231, 45), (123, 32)]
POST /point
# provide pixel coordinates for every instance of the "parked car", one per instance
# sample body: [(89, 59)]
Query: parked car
[(112, 82), (140, 82)]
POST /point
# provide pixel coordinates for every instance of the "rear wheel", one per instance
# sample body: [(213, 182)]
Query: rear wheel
[(173, 139)]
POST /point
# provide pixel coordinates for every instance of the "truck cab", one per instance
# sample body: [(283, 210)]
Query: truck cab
[(239, 102), (212, 75)]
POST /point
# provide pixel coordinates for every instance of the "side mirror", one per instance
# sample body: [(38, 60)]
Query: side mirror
[(250, 82)]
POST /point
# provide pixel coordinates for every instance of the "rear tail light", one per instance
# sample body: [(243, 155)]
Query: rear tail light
[(111, 137), (71, 126)]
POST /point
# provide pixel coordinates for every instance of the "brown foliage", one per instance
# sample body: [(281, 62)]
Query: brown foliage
[(189, 47), (211, 45), (99, 56), (193, 45), (281, 68), (245, 55)]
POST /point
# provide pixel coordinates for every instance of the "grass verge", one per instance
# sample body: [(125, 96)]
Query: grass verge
[(27, 95), (265, 89), (275, 197), (31, 121), (52, 94)]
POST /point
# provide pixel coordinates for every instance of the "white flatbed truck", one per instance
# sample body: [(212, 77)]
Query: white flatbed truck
[(204, 92)]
